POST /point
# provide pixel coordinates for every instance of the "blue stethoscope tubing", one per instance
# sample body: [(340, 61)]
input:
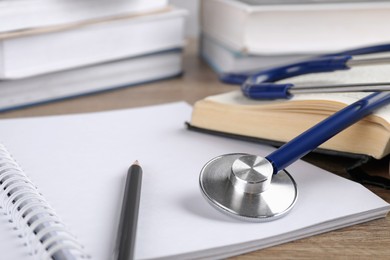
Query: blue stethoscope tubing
[(318, 134), (255, 85)]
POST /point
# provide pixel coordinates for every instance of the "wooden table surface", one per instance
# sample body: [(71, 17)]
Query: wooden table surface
[(363, 241)]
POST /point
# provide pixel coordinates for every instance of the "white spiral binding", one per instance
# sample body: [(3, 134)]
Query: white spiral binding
[(34, 219)]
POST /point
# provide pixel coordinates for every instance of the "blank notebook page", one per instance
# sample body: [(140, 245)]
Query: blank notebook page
[(79, 163)]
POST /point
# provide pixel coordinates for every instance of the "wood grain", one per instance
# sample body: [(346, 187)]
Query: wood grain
[(363, 241)]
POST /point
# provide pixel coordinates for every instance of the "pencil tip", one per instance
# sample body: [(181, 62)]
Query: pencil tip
[(136, 162)]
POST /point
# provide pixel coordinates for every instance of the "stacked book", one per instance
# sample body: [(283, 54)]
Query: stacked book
[(249, 35), (55, 49)]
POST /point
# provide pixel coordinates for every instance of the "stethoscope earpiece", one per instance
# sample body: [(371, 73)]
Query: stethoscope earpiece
[(245, 187)]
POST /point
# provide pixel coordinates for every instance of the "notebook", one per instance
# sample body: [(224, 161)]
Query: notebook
[(78, 164)]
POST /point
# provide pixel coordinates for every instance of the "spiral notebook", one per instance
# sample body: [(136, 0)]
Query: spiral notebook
[(62, 180)]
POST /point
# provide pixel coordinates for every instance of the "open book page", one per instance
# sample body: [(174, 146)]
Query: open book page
[(358, 75), (332, 101), (79, 163)]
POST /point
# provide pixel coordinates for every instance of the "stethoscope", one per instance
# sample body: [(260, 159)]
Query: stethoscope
[(255, 188), (261, 85)]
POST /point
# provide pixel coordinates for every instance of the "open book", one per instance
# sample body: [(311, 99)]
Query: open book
[(78, 163), (282, 120)]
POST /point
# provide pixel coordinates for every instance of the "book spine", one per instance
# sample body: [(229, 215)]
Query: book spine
[(32, 216)]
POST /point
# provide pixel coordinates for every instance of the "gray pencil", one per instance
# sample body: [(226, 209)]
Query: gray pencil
[(129, 214)]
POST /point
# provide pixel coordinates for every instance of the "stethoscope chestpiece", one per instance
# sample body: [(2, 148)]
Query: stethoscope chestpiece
[(244, 186)]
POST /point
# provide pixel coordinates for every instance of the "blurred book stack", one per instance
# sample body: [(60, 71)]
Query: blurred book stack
[(248, 35), (55, 49)]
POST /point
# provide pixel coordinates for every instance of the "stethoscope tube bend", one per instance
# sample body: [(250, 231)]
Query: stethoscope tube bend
[(324, 63), (315, 65)]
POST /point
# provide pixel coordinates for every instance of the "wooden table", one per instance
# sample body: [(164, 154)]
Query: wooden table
[(363, 241)]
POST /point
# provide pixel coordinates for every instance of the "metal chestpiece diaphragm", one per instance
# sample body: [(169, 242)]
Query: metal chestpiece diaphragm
[(244, 186)]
